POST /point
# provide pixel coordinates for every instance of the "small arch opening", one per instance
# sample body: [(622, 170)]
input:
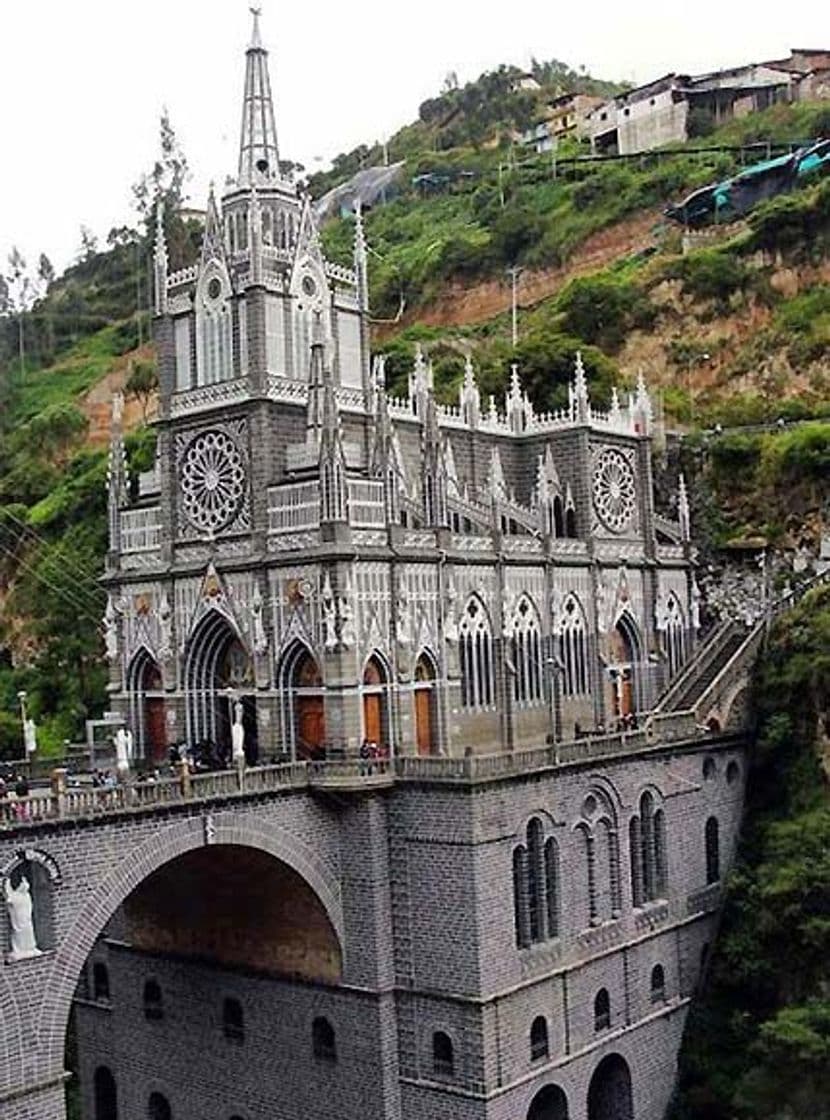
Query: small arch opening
[(233, 1020), (602, 1010), (323, 1040), (443, 1058), (658, 984), (539, 1045), (100, 982), (153, 1002)]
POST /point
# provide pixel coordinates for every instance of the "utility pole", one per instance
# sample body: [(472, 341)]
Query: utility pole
[(514, 272)]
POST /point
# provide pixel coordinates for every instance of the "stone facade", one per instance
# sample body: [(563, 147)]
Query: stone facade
[(346, 565), (489, 916)]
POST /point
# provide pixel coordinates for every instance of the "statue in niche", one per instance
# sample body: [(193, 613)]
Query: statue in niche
[(110, 630), (165, 617), (403, 622), (695, 605), (21, 920), (329, 617), (451, 614), (260, 638), (238, 734), (348, 635), (557, 609)]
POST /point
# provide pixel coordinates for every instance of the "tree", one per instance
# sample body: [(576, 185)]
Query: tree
[(165, 182), (142, 383), (89, 244)]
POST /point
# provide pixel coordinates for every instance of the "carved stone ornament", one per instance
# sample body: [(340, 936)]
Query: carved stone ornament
[(614, 490), (212, 478), (329, 616), (403, 620), (258, 634)]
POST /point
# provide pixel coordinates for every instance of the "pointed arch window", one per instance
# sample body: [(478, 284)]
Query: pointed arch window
[(443, 1058), (658, 984), (675, 636), (476, 656), (602, 1010), (536, 889), (526, 653), (214, 332), (649, 863), (574, 649)]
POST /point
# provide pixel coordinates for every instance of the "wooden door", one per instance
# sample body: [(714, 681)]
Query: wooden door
[(311, 726), (373, 718), (423, 720), (155, 729)]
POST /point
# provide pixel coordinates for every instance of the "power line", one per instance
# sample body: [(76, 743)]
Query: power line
[(61, 592), (83, 572)]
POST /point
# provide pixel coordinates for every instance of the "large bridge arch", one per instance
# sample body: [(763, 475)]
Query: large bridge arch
[(163, 847)]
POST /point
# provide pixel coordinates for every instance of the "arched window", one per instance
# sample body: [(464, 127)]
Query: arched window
[(558, 517), (536, 887), (602, 1010), (570, 521), (476, 656), (574, 649), (153, 1004), (106, 1095), (658, 984), (733, 772), (323, 1041), (649, 866), (100, 982), (158, 1107), (539, 1039), (443, 1059), (609, 1091), (214, 332), (526, 651), (710, 769), (552, 885), (675, 635), (712, 850), (233, 1020), (520, 900)]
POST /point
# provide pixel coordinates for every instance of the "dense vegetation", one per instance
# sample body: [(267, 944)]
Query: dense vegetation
[(758, 1042)]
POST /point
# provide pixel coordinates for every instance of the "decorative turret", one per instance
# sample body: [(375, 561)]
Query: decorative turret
[(334, 496), (160, 262), (118, 479), (361, 266), (433, 467), (213, 245), (642, 409), (683, 511), (259, 160), (469, 397), (517, 404), (548, 495), (315, 405), (580, 402), (498, 485)]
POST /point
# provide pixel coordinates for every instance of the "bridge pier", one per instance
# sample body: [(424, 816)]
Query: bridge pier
[(41, 1101)]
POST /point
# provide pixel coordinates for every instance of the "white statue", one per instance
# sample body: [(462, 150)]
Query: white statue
[(403, 623), (122, 755), (30, 735), (165, 619), (110, 630), (21, 922), (128, 739), (348, 635), (451, 614), (695, 605), (260, 638), (603, 604), (329, 616), (238, 734)]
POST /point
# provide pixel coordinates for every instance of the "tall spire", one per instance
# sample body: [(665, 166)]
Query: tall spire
[(259, 159), (160, 262)]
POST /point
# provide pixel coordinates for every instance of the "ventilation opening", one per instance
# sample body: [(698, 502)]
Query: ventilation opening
[(262, 165)]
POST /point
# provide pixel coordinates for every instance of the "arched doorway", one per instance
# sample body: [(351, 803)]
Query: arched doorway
[(549, 1103), (609, 1094), (375, 721), (218, 673), (304, 717), (106, 1095), (147, 711), (623, 659), (426, 737)]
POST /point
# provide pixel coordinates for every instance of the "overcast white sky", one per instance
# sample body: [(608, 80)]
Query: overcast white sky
[(84, 80)]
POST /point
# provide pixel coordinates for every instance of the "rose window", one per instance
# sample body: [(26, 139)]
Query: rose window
[(212, 481), (614, 491)]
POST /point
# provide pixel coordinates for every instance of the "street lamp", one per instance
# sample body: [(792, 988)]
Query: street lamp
[(21, 696)]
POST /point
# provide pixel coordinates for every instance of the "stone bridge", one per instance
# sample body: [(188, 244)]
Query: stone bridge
[(338, 828)]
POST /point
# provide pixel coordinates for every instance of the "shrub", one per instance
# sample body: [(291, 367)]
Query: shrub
[(602, 309)]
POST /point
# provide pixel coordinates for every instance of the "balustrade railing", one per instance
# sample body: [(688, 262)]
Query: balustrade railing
[(86, 801), (294, 506)]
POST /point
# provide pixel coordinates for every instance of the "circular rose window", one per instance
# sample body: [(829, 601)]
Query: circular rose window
[(212, 481), (614, 490)]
